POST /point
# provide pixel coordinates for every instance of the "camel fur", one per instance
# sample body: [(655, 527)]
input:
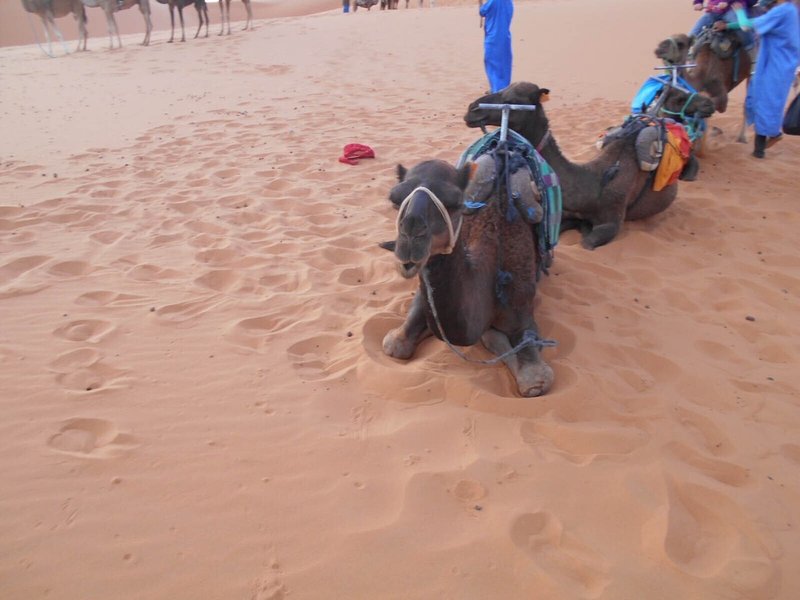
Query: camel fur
[(598, 195), (49, 10), (483, 289)]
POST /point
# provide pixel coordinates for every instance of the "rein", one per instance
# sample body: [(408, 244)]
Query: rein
[(682, 112), (442, 210), (529, 337)]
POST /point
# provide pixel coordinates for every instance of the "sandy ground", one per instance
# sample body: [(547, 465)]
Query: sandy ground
[(192, 302)]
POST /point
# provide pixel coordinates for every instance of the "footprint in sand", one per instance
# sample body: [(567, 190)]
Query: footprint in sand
[(106, 237), (12, 270), (270, 586), (220, 280), (85, 330), (70, 268), (469, 491), (583, 442), (321, 356), (723, 471), (147, 272), (560, 555), (91, 438), (184, 312), (705, 534), (705, 431), (109, 299), (256, 332), (81, 370)]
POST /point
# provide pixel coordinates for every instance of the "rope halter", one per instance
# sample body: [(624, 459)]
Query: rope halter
[(453, 233)]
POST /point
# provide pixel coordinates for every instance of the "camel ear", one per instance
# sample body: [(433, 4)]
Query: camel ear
[(388, 245), (399, 192), (401, 172), (544, 95), (464, 175)]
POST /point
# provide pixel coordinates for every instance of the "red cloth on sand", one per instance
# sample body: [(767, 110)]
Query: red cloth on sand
[(353, 152)]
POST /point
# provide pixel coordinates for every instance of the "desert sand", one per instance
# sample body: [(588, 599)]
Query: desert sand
[(195, 404)]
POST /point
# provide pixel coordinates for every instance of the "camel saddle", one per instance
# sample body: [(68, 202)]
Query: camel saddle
[(722, 43), (546, 192), (662, 145)]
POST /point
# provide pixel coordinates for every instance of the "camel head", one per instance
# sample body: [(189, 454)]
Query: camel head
[(675, 49), (422, 230), (516, 93), (696, 105)]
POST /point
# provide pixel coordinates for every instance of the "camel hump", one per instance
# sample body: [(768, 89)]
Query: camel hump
[(546, 185)]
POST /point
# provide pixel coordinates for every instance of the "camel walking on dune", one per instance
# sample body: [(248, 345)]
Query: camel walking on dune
[(49, 10), (225, 11), (111, 6), (202, 11)]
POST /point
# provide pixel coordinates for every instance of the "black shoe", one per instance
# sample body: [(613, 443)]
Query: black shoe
[(759, 146)]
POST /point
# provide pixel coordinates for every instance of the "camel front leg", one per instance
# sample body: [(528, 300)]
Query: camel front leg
[(83, 34), (172, 22), (742, 137), (144, 7), (47, 36), (183, 26), (534, 376), (222, 16), (601, 234), (199, 21), (403, 341), (107, 8), (249, 9), (51, 19)]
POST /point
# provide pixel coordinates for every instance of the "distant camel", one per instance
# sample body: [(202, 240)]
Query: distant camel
[(49, 10), (201, 7), (713, 74), (225, 9), (111, 6)]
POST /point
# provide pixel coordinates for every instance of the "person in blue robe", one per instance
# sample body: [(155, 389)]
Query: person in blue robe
[(497, 42), (778, 58)]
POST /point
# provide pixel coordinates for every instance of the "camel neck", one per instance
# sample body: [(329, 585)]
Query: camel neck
[(540, 135)]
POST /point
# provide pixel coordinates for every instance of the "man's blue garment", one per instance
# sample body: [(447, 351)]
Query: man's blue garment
[(779, 30), (497, 43)]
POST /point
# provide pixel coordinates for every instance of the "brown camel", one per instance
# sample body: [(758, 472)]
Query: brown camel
[(49, 10), (111, 6), (713, 74), (202, 10), (225, 11), (598, 195), (477, 275)]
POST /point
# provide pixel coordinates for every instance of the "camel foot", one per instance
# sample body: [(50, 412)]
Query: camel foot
[(397, 345), (534, 379), (600, 235), (690, 170)]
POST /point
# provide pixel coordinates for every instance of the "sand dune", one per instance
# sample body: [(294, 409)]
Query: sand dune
[(195, 402)]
